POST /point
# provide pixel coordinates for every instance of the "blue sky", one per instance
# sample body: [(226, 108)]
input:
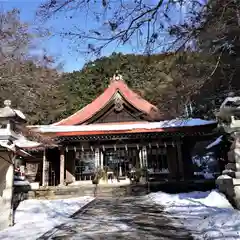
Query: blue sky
[(56, 45), (65, 51)]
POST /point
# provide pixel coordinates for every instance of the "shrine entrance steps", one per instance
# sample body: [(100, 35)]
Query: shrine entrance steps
[(89, 190), (112, 190)]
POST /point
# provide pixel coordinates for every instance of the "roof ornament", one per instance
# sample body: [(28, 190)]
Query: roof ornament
[(117, 76), (118, 103)]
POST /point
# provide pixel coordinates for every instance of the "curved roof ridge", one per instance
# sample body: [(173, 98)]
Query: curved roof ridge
[(103, 99)]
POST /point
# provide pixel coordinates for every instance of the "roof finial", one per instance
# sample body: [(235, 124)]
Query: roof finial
[(117, 76), (7, 103)]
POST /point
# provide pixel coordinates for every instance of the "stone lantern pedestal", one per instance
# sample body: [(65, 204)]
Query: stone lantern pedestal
[(9, 118), (229, 182)]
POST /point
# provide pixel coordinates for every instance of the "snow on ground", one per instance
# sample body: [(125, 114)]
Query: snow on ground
[(21, 183), (208, 215), (215, 143), (35, 217)]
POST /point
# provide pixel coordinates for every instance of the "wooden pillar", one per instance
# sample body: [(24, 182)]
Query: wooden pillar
[(70, 166), (180, 160), (97, 158), (62, 166), (172, 161), (74, 166), (101, 160), (45, 170), (144, 156), (187, 148), (141, 158)]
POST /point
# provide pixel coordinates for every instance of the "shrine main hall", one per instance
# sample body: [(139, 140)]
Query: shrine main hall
[(121, 131)]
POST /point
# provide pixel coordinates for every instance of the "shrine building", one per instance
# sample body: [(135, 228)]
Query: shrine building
[(119, 130)]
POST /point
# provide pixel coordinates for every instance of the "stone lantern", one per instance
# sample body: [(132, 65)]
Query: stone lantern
[(229, 119), (9, 119)]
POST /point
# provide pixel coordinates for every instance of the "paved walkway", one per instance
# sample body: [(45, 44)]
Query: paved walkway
[(123, 218)]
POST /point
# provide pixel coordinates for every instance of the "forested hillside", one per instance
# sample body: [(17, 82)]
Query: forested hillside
[(167, 80)]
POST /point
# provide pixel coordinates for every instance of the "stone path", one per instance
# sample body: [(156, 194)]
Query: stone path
[(123, 218)]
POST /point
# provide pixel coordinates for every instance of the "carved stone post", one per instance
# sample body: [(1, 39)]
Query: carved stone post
[(7, 196), (9, 120)]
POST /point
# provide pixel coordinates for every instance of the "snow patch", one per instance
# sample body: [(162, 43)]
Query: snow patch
[(20, 114), (208, 215), (215, 143), (35, 217), (23, 142)]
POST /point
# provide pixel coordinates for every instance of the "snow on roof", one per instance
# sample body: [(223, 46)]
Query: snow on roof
[(23, 142), (111, 127), (16, 147), (5, 132), (5, 144), (20, 114), (215, 143)]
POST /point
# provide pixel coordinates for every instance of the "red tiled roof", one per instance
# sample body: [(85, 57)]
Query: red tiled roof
[(100, 102)]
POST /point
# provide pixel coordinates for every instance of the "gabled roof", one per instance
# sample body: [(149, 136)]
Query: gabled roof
[(116, 85)]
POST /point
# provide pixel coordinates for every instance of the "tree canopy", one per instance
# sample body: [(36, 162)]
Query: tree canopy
[(27, 79), (208, 29), (167, 80)]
